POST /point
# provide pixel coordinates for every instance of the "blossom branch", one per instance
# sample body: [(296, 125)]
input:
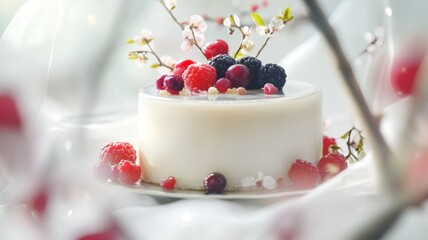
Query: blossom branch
[(161, 64), (242, 42), (172, 15), (195, 42), (264, 44)]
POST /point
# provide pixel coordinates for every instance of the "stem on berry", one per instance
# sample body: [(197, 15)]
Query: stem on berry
[(195, 42), (172, 15), (264, 44), (240, 46)]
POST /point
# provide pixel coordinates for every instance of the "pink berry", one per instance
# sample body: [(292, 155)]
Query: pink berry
[(181, 66), (332, 164), (239, 75), (173, 84), (215, 183), (102, 171), (404, 73), (129, 173), (168, 183), (215, 48), (223, 84), (304, 174), (160, 82), (327, 142), (269, 89)]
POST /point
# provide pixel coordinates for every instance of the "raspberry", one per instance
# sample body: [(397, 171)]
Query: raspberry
[(223, 84), (254, 65), (327, 142), (272, 73), (239, 75), (160, 82), (173, 84), (221, 63), (304, 174), (181, 66), (102, 171), (332, 164), (115, 151), (215, 48), (168, 183), (404, 74), (269, 89), (9, 114), (215, 183), (199, 77), (129, 172)]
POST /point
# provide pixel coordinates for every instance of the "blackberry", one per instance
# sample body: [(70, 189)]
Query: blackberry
[(254, 65), (272, 73), (221, 63)]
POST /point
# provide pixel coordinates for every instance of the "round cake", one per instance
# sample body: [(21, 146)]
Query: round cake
[(239, 136)]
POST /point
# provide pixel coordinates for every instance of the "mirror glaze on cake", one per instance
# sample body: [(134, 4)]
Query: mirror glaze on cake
[(188, 137)]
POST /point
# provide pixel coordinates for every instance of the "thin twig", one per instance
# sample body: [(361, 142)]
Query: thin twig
[(383, 155), (154, 54), (195, 42), (172, 15), (240, 46), (264, 44)]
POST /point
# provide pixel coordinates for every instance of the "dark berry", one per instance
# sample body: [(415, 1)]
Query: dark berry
[(332, 164), (215, 48), (173, 84), (223, 84), (221, 63), (168, 183), (254, 65), (272, 73), (215, 183), (160, 82), (239, 75)]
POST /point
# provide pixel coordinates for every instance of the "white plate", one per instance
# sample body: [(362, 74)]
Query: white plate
[(157, 191)]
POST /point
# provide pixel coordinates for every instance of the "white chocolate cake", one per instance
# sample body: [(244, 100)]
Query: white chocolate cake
[(189, 137)]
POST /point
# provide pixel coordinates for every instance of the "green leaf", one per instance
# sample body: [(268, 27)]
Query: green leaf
[(155, 65), (146, 41), (239, 55), (345, 136), (287, 15), (335, 148), (130, 41), (133, 56), (360, 146), (232, 19), (172, 8), (258, 20)]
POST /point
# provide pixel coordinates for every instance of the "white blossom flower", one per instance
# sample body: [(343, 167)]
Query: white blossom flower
[(198, 23), (262, 30), (171, 4), (374, 39), (247, 45), (188, 42), (228, 22), (146, 35), (246, 30), (141, 60), (167, 60), (276, 24)]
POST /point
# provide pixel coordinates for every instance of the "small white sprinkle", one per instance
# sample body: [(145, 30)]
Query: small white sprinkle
[(248, 182), (231, 91), (185, 92), (241, 91), (269, 182), (212, 90), (164, 93)]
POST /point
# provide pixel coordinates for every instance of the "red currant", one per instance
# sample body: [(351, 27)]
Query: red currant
[(215, 183), (173, 84), (168, 183), (223, 84), (215, 48), (327, 142)]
